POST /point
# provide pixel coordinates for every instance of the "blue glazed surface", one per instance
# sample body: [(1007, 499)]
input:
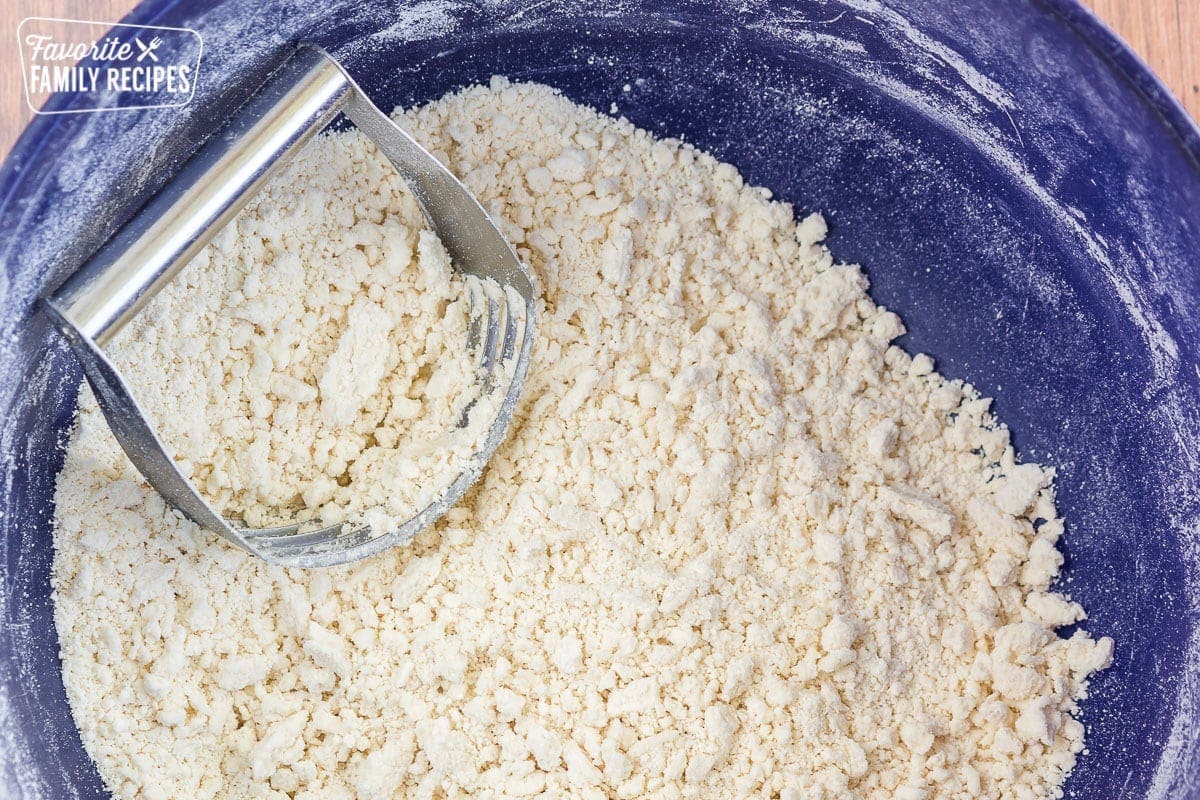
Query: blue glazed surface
[(1017, 186)]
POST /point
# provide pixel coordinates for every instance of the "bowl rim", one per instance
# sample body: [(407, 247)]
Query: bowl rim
[(1080, 19), (1121, 56)]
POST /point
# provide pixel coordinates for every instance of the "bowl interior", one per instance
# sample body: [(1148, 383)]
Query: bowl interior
[(1010, 194)]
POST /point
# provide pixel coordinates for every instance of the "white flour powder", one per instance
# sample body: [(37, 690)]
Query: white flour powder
[(736, 545)]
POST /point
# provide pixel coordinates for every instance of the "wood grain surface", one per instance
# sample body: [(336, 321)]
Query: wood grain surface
[(1165, 32)]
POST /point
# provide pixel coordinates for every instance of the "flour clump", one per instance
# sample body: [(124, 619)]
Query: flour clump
[(737, 543)]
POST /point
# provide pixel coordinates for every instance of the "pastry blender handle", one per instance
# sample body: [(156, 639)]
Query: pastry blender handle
[(301, 98)]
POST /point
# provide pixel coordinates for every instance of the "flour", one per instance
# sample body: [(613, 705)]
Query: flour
[(736, 545)]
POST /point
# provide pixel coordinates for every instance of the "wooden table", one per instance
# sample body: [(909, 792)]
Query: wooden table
[(1165, 32)]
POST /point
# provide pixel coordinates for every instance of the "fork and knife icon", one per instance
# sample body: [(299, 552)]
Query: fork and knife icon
[(147, 49)]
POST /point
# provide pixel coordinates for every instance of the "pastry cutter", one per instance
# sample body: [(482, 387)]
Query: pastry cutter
[(300, 99)]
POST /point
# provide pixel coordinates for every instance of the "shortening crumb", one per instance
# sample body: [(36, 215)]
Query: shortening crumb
[(737, 545)]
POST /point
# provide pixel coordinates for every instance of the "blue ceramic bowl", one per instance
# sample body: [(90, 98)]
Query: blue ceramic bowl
[(1018, 186)]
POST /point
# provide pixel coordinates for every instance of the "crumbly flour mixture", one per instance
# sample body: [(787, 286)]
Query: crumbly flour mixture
[(736, 545)]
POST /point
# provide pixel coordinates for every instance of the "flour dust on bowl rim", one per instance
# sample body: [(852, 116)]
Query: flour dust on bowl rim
[(1017, 186)]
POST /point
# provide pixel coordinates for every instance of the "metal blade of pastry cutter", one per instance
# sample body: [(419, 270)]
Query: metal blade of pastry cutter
[(299, 100)]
